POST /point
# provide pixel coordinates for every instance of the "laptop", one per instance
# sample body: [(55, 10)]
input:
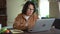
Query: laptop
[(42, 25)]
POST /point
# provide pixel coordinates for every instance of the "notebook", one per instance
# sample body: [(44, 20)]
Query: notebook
[(42, 25), (16, 31)]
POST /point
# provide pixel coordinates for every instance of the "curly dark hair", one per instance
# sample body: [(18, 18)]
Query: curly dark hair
[(25, 7)]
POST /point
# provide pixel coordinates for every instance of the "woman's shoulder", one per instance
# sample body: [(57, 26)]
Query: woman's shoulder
[(19, 15), (35, 15)]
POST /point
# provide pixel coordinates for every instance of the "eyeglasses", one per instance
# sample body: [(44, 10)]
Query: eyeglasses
[(30, 9)]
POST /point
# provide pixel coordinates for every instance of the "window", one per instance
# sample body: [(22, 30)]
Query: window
[(43, 8)]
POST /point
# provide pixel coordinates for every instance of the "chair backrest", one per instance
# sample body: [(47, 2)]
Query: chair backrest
[(57, 23)]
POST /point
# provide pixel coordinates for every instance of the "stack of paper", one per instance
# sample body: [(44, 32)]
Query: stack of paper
[(16, 31)]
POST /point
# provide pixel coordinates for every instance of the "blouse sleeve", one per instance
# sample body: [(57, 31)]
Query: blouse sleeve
[(16, 24)]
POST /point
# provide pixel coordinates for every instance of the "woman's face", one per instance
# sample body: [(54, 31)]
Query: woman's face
[(30, 10)]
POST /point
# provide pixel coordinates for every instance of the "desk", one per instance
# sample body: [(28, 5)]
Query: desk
[(52, 31)]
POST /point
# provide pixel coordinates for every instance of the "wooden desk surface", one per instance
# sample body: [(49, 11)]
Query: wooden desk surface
[(52, 31)]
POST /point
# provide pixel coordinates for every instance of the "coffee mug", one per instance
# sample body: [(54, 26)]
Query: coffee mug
[(0, 26)]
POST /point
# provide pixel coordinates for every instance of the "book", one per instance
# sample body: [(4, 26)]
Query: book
[(16, 31)]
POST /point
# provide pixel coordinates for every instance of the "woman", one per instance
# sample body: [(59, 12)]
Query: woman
[(26, 19)]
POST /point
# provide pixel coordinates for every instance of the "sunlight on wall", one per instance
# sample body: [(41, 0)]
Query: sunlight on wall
[(14, 7), (44, 8)]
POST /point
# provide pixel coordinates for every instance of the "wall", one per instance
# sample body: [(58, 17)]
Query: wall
[(14, 7), (59, 9), (54, 9)]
